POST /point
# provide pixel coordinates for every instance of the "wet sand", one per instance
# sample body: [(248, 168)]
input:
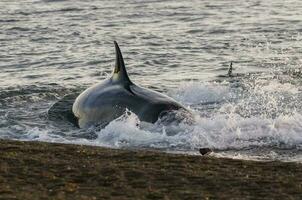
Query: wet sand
[(36, 170)]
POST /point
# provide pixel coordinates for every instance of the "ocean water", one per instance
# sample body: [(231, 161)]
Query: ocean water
[(53, 48)]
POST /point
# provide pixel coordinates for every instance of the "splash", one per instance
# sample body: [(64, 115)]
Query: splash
[(235, 120)]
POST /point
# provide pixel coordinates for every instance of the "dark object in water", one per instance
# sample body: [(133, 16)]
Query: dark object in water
[(205, 151), (230, 72)]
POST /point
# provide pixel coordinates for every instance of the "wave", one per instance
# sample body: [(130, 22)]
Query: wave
[(228, 116)]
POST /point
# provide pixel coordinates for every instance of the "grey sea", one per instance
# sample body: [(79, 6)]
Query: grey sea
[(53, 48)]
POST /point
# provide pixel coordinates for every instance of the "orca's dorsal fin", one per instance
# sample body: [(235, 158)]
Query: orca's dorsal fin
[(230, 71), (119, 73)]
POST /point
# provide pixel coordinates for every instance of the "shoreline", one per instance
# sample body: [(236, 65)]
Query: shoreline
[(39, 170)]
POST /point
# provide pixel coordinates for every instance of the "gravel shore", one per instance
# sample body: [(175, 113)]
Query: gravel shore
[(37, 170)]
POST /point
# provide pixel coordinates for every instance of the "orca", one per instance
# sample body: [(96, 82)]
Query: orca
[(106, 101)]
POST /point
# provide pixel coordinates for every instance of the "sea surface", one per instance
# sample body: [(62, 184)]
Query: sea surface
[(53, 48)]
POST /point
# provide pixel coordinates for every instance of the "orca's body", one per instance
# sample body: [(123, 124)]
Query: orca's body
[(106, 101)]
